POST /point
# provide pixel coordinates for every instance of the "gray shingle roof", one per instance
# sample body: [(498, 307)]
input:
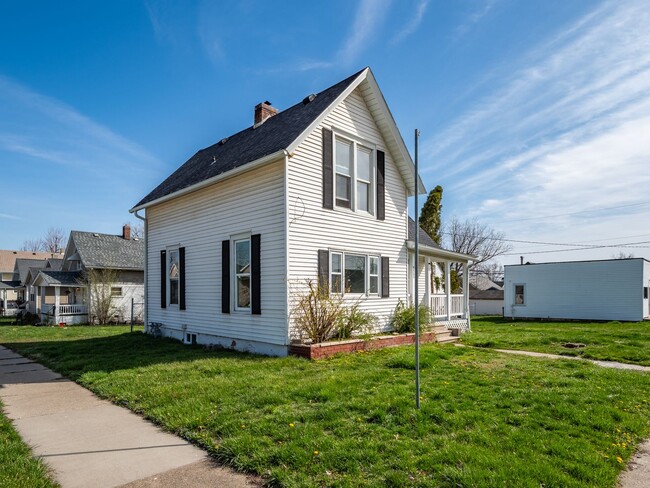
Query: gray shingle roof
[(23, 265), (486, 294), (249, 145), (425, 239), (61, 278), (108, 251)]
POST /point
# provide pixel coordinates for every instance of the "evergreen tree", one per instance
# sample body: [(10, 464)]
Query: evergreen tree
[(430, 220)]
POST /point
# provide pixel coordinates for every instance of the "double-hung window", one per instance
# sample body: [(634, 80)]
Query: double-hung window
[(354, 176), (242, 274), (173, 274), (354, 273)]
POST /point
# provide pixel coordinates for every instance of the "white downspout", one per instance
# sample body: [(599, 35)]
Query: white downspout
[(146, 266)]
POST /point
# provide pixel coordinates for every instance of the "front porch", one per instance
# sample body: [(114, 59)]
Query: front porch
[(75, 313), (61, 298), (448, 310)]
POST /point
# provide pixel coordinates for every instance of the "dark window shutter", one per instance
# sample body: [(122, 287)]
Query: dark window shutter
[(256, 281), (323, 269), (181, 281), (381, 185), (385, 278), (163, 279), (328, 169), (225, 276)]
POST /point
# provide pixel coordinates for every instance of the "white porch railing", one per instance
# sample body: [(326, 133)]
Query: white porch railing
[(72, 309), (439, 306)]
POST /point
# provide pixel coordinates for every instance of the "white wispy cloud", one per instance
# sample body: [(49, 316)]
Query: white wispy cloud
[(475, 17), (567, 131), (370, 15), (47, 130), (413, 23)]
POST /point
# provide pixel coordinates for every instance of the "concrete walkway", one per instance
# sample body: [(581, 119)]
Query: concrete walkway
[(91, 442), (604, 364)]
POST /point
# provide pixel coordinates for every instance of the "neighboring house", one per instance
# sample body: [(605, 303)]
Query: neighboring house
[(65, 293), (316, 192), (485, 295), (612, 289), (10, 286)]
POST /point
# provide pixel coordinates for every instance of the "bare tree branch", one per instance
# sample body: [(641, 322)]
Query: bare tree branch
[(54, 241), (472, 237), (34, 245)]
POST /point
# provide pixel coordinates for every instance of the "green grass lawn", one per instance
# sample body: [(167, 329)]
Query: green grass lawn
[(487, 419), (627, 342), (17, 466)]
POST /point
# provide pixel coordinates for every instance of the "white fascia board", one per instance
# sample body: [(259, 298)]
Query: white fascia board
[(303, 135), (441, 253), (397, 136), (223, 176)]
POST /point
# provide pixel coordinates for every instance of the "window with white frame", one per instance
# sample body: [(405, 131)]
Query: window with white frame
[(354, 176), (354, 273), (173, 275), (242, 258), (116, 291), (336, 271), (520, 294)]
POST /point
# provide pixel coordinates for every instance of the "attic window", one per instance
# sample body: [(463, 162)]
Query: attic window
[(308, 99)]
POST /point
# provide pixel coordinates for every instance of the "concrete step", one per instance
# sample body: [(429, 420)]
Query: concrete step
[(448, 339)]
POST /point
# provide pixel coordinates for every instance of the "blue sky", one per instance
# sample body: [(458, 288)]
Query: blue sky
[(535, 116)]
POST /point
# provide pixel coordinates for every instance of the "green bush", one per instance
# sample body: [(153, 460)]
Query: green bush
[(403, 319), (354, 322)]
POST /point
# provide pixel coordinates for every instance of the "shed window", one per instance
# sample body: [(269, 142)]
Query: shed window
[(520, 294), (116, 291), (645, 292)]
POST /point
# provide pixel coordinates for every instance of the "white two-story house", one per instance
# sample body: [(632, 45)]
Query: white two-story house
[(315, 192)]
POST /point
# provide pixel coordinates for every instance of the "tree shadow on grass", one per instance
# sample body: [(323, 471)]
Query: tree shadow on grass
[(73, 358)]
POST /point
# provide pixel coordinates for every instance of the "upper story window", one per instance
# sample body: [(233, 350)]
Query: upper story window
[(354, 176), (173, 274), (243, 274)]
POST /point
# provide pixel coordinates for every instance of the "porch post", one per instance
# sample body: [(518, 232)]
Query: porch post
[(57, 303), (448, 290), (427, 286), (465, 291)]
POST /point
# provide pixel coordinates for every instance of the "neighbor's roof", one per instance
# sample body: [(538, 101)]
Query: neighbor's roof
[(8, 285), (23, 265), (60, 278), (8, 258), (108, 251), (278, 133), (486, 294)]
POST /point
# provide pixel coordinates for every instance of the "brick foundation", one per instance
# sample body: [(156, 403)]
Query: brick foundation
[(327, 349)]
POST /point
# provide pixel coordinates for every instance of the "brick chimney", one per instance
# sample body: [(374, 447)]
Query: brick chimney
[(126, 232), (263, 111)]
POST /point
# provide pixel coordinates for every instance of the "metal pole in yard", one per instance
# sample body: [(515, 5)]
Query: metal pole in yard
[(131, 314), (416, 301)]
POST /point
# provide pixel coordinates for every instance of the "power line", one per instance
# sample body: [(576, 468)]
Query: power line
[(572, 213)]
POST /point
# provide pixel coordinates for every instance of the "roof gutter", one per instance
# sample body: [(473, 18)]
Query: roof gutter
[(443, 253), (202, 184)]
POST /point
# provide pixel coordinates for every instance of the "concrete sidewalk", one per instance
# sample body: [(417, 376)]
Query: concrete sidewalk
[(91, 442)]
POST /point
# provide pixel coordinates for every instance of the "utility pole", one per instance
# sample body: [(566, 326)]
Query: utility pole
[(416, 301)]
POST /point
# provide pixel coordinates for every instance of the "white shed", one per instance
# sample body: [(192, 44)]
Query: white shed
[(613, 289)]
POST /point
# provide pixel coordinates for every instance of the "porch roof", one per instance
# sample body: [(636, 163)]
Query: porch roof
[(439, 253), (59, 278), (9, 285)]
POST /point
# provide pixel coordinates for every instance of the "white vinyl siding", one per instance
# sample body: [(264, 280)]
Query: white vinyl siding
[(252, 203), (311, 227), (589, 290)]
